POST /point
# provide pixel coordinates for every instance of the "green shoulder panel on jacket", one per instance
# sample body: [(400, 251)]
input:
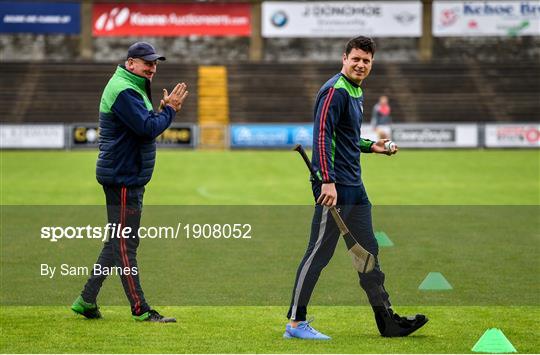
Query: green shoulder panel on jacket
[(120, 81), (353, 91)]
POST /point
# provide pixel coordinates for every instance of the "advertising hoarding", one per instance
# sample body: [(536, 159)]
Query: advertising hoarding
[(486, 18), (40, 17), (512, 135), (85, 135), (270, 135), (341, 19), (184, 19), (32, 136), (435, 135), (278, 135)]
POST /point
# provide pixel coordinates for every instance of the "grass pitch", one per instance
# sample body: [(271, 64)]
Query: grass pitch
[(488, 253), (256, 330), (445, 177)]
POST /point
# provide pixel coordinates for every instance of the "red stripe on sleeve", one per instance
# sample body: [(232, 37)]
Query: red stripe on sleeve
[(322, 147)]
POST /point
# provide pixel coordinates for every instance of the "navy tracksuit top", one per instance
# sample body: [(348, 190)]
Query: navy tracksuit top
[(128, 127), (336, 132)]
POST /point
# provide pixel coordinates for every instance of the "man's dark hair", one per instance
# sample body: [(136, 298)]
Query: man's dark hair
[(364, 43)]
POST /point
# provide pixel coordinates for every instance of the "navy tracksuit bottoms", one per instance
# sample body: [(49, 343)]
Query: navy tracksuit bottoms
[(124, 208), (355, 209)]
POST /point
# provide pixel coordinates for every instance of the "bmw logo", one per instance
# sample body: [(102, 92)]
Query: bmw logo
[(279, 19)]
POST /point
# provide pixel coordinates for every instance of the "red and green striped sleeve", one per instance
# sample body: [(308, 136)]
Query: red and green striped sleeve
[(332, 104)]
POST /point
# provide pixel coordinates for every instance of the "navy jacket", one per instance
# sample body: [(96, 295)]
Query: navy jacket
[(336, 132), (128, 127)]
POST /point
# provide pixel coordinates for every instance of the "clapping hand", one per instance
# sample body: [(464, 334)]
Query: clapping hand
[(176, 98)]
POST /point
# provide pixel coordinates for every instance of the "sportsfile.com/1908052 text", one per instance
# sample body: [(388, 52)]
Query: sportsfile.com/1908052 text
[(113, 230)]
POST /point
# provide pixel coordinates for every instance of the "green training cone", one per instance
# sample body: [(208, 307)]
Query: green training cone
[(493, 341), (435, 281), (383, 240)]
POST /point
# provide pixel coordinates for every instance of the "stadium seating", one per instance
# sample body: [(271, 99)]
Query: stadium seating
[(434, 92), (70, 92)]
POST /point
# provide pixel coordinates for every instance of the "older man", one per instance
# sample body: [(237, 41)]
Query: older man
[(127, 150)]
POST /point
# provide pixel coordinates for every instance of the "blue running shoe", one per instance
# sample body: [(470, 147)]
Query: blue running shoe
[(304, 331)]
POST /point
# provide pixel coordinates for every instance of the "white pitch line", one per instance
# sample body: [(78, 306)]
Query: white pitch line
[(201, 190)]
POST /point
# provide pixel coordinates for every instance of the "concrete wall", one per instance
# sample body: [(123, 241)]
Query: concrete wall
[(227, 50)]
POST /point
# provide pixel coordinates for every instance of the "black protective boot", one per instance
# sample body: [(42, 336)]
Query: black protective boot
[(390, 324)]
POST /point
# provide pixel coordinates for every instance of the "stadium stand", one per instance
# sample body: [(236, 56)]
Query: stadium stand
[(70, 92), (419, 92)]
